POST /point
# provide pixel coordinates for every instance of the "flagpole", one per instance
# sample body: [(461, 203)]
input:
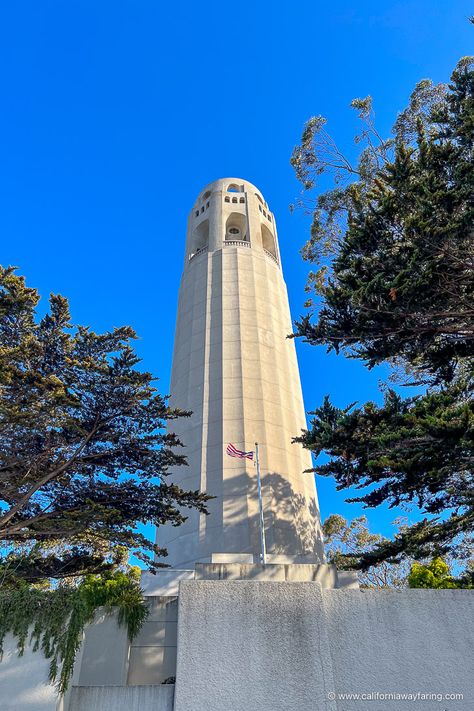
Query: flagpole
[(263, 554)]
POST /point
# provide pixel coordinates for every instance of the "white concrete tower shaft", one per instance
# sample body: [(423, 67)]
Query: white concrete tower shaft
[(236, 370)]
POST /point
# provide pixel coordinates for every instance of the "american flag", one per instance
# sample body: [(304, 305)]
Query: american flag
[(234, 452)]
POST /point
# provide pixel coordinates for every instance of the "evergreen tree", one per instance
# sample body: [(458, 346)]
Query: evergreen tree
[(394, 245), (400, 285), (413, 451), (83, 455)]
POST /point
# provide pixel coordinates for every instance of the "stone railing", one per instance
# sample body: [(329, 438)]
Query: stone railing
[(195, 254), (272, 256), (236, 243)]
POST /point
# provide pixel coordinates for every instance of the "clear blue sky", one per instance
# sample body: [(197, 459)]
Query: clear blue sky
[(116, 113)]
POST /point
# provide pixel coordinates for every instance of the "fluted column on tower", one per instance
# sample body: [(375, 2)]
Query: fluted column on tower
[(236, 370)]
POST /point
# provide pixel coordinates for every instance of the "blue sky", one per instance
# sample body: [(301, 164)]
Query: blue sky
[(116, 113)]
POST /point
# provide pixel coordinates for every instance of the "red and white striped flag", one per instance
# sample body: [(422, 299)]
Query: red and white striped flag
[(234, 452)]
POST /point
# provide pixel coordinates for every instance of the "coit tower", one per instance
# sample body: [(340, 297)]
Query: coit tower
[(236, 370)]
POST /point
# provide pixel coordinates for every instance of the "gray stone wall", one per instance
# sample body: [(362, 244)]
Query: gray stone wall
[(402, 641), (116, 698), (267, 645), (153, 652), (278, 646), (24, 682), (110, 673), (104, 654)]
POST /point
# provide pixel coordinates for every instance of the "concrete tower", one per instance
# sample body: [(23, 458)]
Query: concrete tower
[(236, 370)]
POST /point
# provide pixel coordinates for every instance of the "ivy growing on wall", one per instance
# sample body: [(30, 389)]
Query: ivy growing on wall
[(53, 621)]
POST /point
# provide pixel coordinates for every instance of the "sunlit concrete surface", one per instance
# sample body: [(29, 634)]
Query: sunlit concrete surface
[(24, 684), (236, 370), (275, 646)]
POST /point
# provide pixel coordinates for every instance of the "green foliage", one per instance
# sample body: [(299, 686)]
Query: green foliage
[(393, 245), (400, 284), (418, 449), (54, 620), (346, 540), (121, 591), (435, 574), (83, 453), (413, 451)]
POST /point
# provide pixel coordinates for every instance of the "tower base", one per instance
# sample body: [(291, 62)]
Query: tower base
[(239, 636), (237, 567)]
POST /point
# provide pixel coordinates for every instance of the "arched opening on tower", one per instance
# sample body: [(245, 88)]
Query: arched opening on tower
[(236, 227), (200, 238), (268, 241), (234, 188)]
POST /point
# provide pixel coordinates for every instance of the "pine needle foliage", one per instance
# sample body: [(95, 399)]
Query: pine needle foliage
[(398, 231), (84, 456), (393, 246), (53, 621)]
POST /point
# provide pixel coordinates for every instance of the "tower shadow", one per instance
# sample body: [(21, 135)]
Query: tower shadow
[(292, 522)]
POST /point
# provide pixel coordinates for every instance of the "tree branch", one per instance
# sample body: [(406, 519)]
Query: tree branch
[(48, 477)]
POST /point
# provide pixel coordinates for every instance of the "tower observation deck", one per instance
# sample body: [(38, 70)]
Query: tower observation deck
[(236, 370)]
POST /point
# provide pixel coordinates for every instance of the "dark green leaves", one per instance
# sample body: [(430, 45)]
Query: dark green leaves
[(83, 452), (393, 245), (401, 283)]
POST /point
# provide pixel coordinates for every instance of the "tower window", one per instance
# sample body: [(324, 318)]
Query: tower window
[(197, 213), (206, 195), (200, 238), (242, 199), (234, 189), (234, 199), (207, 204), (258, 197), (268, 241), (202, 208), (227, 198), (260, 208), (236, 227)]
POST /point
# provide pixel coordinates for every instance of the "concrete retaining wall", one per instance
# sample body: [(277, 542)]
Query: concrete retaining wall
[(406, 641), (107, 667), (152, 657), (264, 645), (276, 646), (104, 654), (24, 682), (116, 698)]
